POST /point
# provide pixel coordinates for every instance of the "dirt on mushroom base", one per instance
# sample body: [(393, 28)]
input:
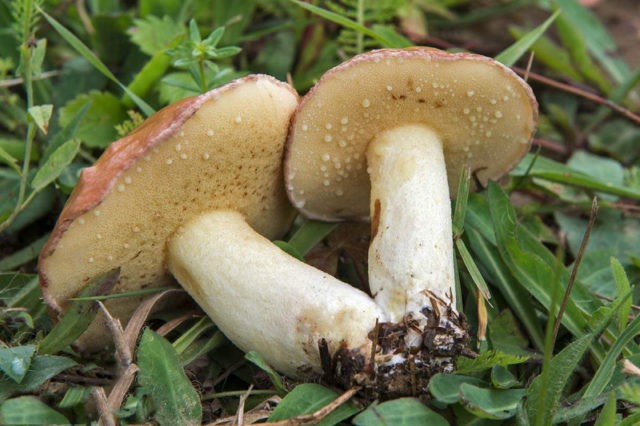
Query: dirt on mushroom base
[(397, 367)]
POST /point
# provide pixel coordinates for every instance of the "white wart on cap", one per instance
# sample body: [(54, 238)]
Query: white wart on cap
[(219, 150)]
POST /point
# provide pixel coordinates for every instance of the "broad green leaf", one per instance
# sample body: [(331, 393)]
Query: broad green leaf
[(78, 316), (608, 413), (533, 269), (598, 40), (543, 395), (162, 378), (445, 388), (597, 167), (42, 368), (258, 361), (26, 410), (91, 57), (41, 115), (15, 361), (497, 272), (493, 404), (624, 287), (289, 249), (619, 138), (153, 34), (603, 375), (66, 133), (502, 378), (578, 409), (308, 398), (75, 396), (505, 335), (55, 164), (575, 43), (510, 55), (98, 127), (399, 412)]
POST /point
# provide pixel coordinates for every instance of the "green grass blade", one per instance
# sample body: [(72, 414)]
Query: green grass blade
[(510, 55), (348, 23), (310, 233), (79, 315), (188, 337), (83, 50), (473, 270), (624, 287)]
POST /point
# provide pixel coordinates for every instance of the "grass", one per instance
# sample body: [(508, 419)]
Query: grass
[(552, 251)]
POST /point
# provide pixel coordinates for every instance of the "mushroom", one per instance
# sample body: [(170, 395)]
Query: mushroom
[(194, 194), (382, 135), (221, 150)]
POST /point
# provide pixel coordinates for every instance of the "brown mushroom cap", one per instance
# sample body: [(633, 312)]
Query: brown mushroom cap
[(483, 113), (219, 150)]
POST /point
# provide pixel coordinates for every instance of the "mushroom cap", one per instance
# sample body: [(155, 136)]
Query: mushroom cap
[(483, 113), (219, 150)]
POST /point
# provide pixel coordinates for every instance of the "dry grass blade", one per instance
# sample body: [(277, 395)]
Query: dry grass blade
[(317, 416), (257, 414), (106, 416), (139, 317), (169, 326), (240, 413), (120, 389), (123, 352)]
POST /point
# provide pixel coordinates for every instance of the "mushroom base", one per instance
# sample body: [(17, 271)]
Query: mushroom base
[(407, 355)]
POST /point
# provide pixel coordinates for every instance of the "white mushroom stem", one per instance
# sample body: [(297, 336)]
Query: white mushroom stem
[(411, 252), (265, 300)]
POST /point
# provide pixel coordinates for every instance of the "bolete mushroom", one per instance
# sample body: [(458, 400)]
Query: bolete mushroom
[(221, 150), (383, 135)]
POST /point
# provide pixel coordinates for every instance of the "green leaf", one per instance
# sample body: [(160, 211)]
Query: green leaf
[(608, 413), (399, 412), (15, 361), (66, 133), (55, 164), (505, 334), (339, 19), (310, 233), (75, 396), (502, 378), (41, 115), (486, 360), (543, 395), (491, 403), (81, 48), (9, 160), (201, 347), (29, 410), (24, 255), (258, 361), (553, 171), (42, 368), (530, 264), (78, 316), (578, 409), (624, 287), (510, 55), (445, 388), (153, 34), (162, 378), (189, 336), (605, 372), (308, 398), (473, 270), (98, 128)]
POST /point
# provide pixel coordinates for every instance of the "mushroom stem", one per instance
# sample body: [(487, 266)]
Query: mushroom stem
[(265, 300), (411, 252)]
